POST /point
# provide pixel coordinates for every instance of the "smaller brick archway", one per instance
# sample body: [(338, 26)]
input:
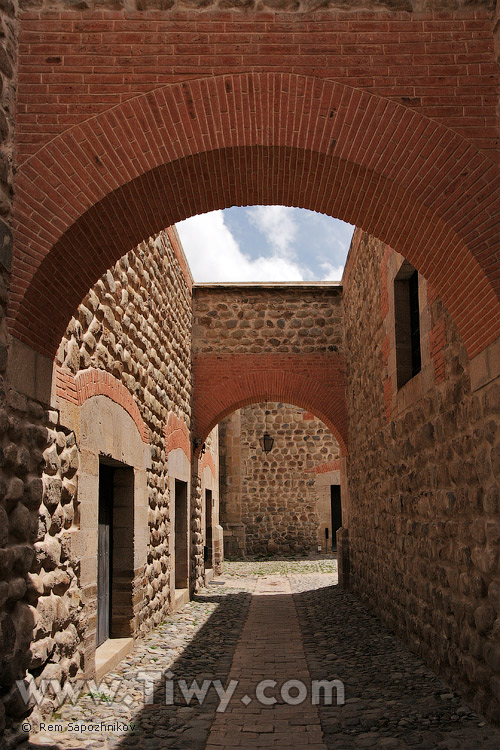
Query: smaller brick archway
[(268, 342), (315, 382)]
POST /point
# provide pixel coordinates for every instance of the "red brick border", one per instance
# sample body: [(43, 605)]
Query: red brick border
[(225, 382), (384, 294), (207, 460), (99, 188), (93, 382), (325, 468), (66, 386), (177, 435)]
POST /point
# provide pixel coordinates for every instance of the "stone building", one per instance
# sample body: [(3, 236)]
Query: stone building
[(118, 120), (287, 501), (423, 472), (124, 531)]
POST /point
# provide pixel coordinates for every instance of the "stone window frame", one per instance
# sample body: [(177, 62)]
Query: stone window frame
[(406, 365)]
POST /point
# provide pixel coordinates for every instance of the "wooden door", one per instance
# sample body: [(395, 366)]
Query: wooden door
[(104, 552)]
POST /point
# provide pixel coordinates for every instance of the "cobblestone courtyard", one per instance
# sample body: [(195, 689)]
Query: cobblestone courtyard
[(279, 621)]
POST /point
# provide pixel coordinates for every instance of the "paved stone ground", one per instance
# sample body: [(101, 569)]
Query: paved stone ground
[(391, 699), (270, 649)]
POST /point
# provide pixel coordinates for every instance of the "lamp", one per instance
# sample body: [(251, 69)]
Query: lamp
[(196, 444), (266, 441)]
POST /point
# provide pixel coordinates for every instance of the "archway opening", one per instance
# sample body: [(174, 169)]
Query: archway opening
[(436, 205), (278, 503)]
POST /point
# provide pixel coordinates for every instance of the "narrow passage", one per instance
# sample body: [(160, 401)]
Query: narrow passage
[(277, 621), (264, 711)]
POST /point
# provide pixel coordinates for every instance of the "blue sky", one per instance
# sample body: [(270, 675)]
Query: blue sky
[(265, 243)]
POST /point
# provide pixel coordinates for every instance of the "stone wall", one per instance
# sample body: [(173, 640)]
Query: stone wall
[(208, 469), (281, 342), (28, 434), (119, 331), (22, 436), (121, 328), (270, 503), (258, 318), (120, 388), (423, 472)]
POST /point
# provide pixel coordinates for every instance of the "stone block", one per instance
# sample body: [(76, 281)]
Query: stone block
[(494, 595), (484, 617), (485, 366)]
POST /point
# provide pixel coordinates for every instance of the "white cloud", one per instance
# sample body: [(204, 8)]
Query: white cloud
[(214, 255), (331, 272), (278, 226)]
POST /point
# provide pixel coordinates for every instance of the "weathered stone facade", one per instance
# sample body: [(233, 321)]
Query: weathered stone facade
[(387, 117), (273, 503), (258, 318), (120, 392), (15, 618), (423, 475), (119, 329), (281, 342)]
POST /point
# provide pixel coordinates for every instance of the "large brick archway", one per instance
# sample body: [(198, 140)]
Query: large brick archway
[(97, 189)]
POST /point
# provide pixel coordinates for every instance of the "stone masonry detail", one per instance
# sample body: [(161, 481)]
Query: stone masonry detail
[(423, 474), (117, 334), (119, 118), (23, 436), (275, 496), (281, 342)]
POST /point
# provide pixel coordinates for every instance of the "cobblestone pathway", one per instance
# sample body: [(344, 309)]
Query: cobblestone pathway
[(298, 625)]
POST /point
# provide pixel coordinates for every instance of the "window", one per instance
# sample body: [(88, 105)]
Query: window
[(407, 320)]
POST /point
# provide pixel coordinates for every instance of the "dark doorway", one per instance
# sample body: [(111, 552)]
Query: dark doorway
[(181, 535), (115, 552), (208, 529), (104, 552), (336, 512)]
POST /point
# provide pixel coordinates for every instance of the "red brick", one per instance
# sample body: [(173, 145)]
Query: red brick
[(374, 179)]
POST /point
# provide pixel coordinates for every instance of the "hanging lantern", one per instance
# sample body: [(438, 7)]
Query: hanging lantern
[(266, 441)]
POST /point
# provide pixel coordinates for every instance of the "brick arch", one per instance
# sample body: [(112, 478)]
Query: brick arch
[(99, 188), (315, 382), (208, 460), (176, 433), (93, 382)]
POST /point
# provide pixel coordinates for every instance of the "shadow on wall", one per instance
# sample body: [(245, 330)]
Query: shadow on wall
[(387, 689)]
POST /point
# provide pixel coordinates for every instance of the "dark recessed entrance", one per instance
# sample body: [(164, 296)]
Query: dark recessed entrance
[(208, 529), (336, 512), (115, 551), (181, 535)]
